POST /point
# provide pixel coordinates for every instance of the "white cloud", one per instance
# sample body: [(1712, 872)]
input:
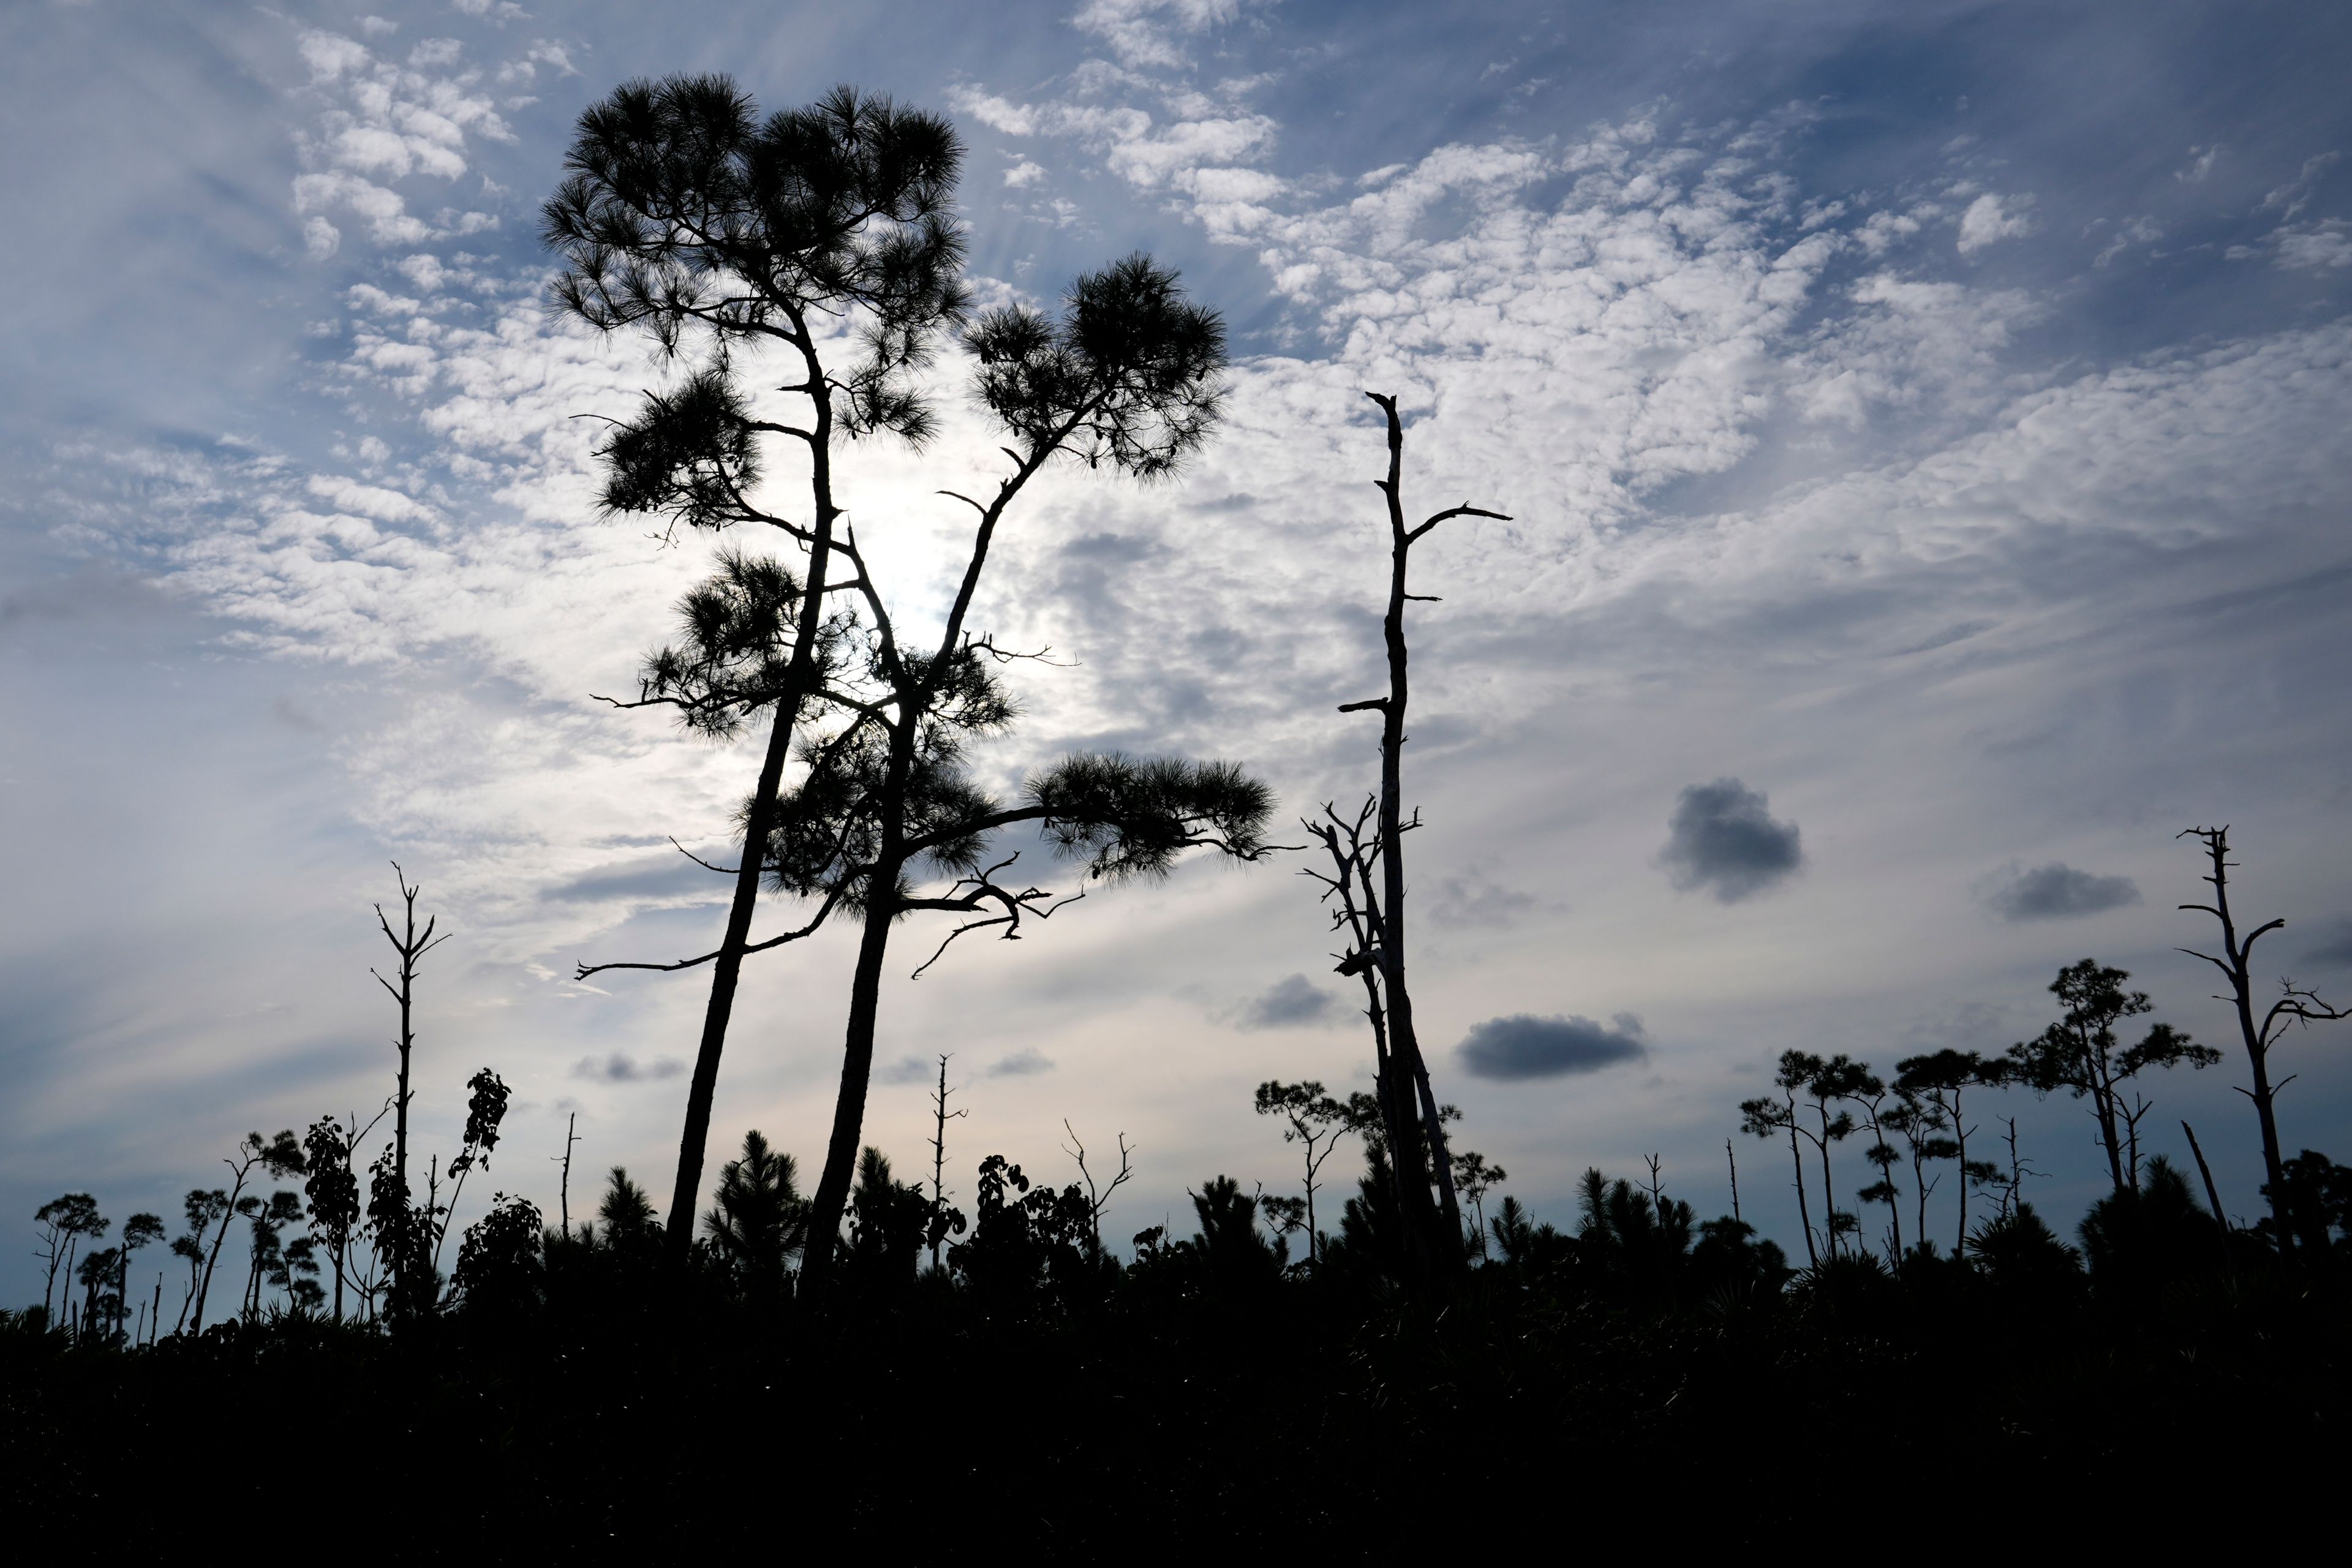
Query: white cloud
[(2315, 246), (320, 239), (2292, 198), (426, 272), (387, 216), (2140, 230), (1144, 32), (1988, 221), (2201, 164), (386, 123)]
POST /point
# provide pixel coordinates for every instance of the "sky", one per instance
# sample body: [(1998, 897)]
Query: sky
[(1921, 427)]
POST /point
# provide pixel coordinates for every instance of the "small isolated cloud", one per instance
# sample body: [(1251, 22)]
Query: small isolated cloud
[(1287, 1004), (1024, 173), (1722, 839), (2335, 946), (2199, 164), (1523, 1046), (2054, 891), (1472, 902), (2295, 194), (906, 1069), (1987, 222), (656, 877), (1026, 1063), (320, 239), (621, 1067)]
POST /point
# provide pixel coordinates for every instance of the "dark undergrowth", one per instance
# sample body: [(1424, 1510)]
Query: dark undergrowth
[(1160, 1416)]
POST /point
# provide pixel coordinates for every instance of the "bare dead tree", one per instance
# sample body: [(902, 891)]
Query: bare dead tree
[(1354, 897), (940, 1117), (1098, 1196), (1734, 1160), (1416, 1143), (2020, 1168), (2212, 1199), (2297, 1006), (564, 1192), (412, 945)]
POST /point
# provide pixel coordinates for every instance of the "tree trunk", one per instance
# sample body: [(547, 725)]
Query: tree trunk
[(2274, 1165), (1804, 1213), (727, 970), (2103, 1105), (1919, 1186), (2214, 1197), (212, 1257), (1960, 1137), (728, 967), (1828, 1192), (2258, 1057), (1421, 1216), (831, 1196), (1314, 1252)]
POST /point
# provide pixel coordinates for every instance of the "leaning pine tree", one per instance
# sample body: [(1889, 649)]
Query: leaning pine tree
[(1127, 376), (721, 235)]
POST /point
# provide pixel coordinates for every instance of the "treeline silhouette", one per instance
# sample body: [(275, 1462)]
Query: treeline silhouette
[(570, 1383), (899, 1368)]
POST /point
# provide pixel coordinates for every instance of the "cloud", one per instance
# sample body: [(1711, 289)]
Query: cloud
[(1473, 902), (1027, 1062), (1722, 839), (320, 239), (1139, 32), (663, 876), (1989, 221), (1288, 1003), (2054, 891), (621, 1067), (1523, 1046), (2295, 194), (908, 1070), (2334, 948), (2312, 247)]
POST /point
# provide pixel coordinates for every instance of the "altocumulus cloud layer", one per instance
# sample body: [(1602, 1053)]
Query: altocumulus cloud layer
[(1898, 405)]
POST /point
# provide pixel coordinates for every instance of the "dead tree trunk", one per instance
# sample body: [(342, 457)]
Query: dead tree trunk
[(1417, 1144), (412, 946), (2296, 1005), (940, 1117)]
